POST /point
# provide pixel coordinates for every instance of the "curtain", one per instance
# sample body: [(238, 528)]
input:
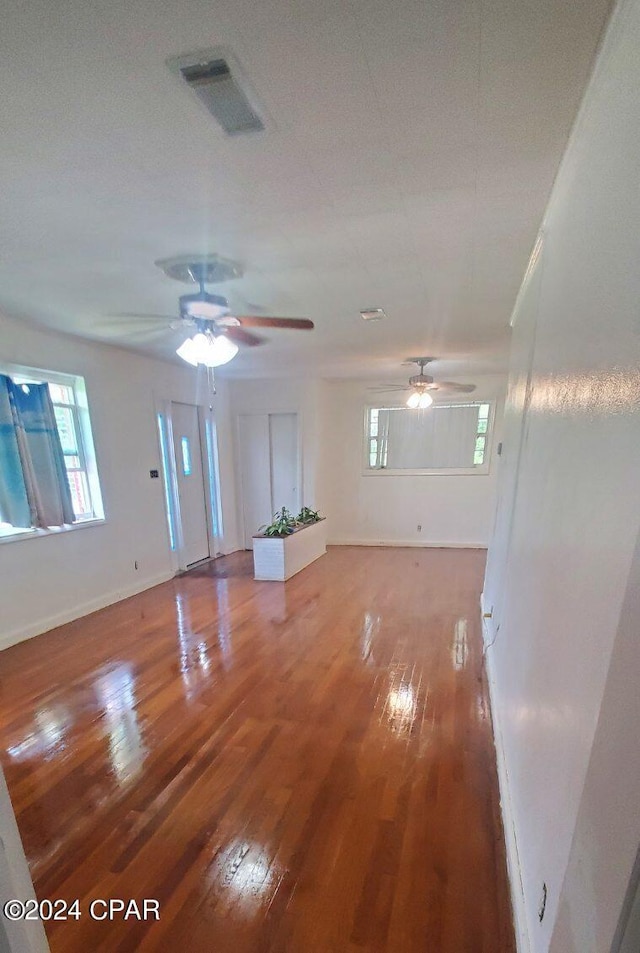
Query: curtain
[(43, 468), (14, 505), (433, 439)]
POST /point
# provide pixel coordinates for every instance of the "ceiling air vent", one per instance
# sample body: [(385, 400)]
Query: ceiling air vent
[(373, 314), (218, 83)]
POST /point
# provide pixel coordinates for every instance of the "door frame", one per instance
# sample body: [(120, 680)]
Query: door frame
[(240, 501), (210, 471)]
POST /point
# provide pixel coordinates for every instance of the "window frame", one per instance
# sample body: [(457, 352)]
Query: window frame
[(482, 469), (22, 373)]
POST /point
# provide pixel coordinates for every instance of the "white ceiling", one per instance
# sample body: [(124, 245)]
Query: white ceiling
[(412, 147)]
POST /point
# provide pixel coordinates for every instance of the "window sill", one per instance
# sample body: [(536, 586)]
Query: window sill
[(22, 534), (467, 471)]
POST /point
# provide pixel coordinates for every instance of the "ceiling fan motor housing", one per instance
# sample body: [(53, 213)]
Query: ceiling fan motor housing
[(203, 305), (421, 380)]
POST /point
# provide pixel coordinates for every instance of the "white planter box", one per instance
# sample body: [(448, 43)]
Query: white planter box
[(279, 558)]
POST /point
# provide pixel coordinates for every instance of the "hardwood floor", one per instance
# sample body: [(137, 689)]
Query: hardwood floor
[(304, 767)]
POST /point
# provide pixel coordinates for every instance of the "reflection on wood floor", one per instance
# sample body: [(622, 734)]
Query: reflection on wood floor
[(291, 767)]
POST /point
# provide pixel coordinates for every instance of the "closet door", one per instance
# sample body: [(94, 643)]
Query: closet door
[(269, 468), (283, 434), (255, 470)]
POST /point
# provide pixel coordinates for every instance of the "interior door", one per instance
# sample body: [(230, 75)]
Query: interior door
[(255, 468), (268, 452), (283, 437), (190, 477)]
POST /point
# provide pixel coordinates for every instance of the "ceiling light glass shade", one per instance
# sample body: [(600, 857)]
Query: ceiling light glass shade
[(207, 349), (420, 399)]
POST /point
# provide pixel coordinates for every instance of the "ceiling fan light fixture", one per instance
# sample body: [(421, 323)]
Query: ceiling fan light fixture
[(419, 400), (207, 349)]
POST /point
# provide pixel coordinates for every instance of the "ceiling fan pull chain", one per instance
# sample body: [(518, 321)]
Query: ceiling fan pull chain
[(211, 382)]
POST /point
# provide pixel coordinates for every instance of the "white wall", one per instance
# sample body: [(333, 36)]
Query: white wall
[(49, 580), (374, 509), (568, 519), (15, 884), (607, 832)]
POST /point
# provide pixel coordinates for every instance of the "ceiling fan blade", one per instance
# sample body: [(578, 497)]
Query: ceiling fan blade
[(387, 389), (253, 321), (240, 336), (120, 328), (144, 317), (136, 334), (457, 388)]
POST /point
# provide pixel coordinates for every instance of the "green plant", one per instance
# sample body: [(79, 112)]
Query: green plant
[(283, 524), (307, 515)]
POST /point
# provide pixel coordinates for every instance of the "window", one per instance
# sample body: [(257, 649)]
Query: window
[(166, 471), (186, 456), (441, 438), (48, 473)]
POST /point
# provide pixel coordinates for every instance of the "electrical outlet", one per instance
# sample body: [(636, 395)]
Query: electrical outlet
[(419, 527), (543, 903)]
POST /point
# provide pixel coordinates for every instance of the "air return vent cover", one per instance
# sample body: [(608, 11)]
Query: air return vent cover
[(216, 79)]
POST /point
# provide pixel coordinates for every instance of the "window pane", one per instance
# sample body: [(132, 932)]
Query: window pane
[(436, 438), (61, 394), (186, 457), (72, 462), (441, 437), (66, 429), (165, 473), (79, 493)]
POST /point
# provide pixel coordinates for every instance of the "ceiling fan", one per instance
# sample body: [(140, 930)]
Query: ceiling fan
[(423, 385), (213, 332)]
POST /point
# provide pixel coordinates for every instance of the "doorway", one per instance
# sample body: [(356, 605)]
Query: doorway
[(269, 468)]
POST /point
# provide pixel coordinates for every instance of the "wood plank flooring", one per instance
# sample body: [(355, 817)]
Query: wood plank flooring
[(304, 767)]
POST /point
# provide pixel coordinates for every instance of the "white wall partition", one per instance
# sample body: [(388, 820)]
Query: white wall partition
[(20, 936), (562, 557)]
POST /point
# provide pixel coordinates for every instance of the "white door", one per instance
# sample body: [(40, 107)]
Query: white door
[(190, 478), (268, 451), (255, 469), (283, 435)]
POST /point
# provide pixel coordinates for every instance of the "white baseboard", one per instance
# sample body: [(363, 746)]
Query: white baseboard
[(404, 543), (40, 626), (508, 821)]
